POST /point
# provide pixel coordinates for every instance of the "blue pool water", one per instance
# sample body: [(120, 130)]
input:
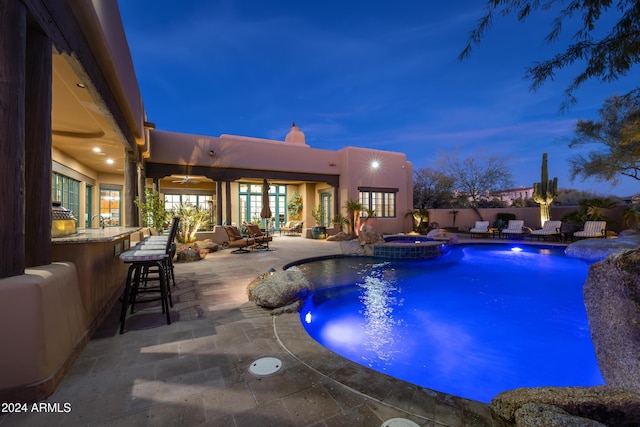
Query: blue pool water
[(477, 321)]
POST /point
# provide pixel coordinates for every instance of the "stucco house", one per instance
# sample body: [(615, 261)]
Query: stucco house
[(73, 129)]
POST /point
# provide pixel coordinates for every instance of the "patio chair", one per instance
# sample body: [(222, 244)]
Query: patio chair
[(481, 227), (254, 232), (549, 229), (592, 229), (292, 227), (237, 240), (514, 228)]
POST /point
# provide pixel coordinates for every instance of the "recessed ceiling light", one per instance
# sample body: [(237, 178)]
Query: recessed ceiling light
[(109, 161), (96, 149), (81, 85)]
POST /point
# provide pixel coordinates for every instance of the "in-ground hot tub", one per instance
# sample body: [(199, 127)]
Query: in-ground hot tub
[(410, 247)]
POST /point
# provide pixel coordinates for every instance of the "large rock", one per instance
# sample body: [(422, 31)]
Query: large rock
[(279, 289), (341, 236), (592, 250), (370, 237), (351, 247), (612, 298), (608, 405), (542, 415), (206, 246), (188, 255)]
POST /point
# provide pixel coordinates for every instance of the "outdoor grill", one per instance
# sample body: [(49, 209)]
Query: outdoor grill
[(63, 222)]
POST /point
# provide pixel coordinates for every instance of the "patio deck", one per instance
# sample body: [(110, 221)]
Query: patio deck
[(194, 372)]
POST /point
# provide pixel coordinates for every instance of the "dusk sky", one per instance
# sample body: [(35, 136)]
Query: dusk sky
[(382, 75)]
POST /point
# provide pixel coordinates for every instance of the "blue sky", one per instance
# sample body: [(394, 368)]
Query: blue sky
[(382, 75)]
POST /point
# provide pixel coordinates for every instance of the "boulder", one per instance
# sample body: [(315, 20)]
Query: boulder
[(188, 255), (339, 237), (279, 289), (612, 298), (542, 415), (206, 246), (608, 405), (351, 247), (370, 237), (592, 250)]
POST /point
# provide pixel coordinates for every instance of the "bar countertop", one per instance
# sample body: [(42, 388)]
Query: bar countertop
[(95, 235)]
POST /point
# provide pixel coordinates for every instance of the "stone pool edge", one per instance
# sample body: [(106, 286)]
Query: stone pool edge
[(418, 402)]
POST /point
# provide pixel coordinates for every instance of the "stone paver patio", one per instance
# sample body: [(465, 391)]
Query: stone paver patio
[(194, 372)]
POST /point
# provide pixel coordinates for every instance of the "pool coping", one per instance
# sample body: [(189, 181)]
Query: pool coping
[(421, 404)]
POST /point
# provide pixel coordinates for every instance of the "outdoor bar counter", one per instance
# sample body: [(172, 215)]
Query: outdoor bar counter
[(95, 253), (54, 309)]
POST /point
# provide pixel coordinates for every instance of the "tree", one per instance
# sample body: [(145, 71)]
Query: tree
[(618, 134), (153, 211), (353, 208), (607, 54), (477, 176), (432, 189)]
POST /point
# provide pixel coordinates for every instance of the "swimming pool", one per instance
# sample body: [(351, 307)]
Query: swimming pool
[(477, 321)]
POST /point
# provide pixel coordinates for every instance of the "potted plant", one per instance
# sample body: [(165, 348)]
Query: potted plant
[(319, 231)]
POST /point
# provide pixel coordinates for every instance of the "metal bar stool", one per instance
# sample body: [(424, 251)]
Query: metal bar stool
[(150, 256), (138, 281)]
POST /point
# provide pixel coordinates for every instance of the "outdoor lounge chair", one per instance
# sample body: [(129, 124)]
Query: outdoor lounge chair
[(292, 227), (256, 234), (549, 229), (481, 227), (592, 229), (514, 228), (237, 240)]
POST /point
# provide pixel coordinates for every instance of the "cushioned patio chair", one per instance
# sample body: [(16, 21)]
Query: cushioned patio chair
[(237, 240), (592, 229), (292, 228), (481, 227), (549, 229), (258, 236), (515, 228)]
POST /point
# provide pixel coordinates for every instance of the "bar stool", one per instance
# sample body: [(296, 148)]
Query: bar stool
[(149, 260), (138, 281)]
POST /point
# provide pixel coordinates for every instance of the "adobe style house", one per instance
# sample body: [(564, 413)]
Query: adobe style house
[(73, 129)]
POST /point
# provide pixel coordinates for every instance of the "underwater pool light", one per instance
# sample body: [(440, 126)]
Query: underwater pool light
[(516, 249)]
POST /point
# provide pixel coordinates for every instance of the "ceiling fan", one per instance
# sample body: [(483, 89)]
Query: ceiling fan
[(186, 180)]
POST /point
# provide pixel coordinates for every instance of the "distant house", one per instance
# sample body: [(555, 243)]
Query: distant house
[(508, 196), (512, 194)]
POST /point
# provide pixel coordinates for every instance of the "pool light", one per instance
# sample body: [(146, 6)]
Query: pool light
[(307, 317), (516, 249)]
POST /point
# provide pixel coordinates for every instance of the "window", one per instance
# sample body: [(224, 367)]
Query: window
[(172, 201), (110, 206), (250, 203), (66, 191), (380, 201)]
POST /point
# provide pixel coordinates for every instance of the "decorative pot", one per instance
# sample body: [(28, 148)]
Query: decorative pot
[(319, 232)]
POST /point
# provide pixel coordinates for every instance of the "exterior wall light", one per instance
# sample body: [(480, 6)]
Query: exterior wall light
[(375, 164), (212, 153)]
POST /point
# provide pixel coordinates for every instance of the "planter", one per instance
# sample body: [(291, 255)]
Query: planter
[(319, 232)]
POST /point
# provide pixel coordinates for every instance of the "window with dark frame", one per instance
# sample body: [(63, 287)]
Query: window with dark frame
[(382, 201)]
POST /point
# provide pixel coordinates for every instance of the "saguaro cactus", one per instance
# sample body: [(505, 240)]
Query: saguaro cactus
[(544, 191)]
